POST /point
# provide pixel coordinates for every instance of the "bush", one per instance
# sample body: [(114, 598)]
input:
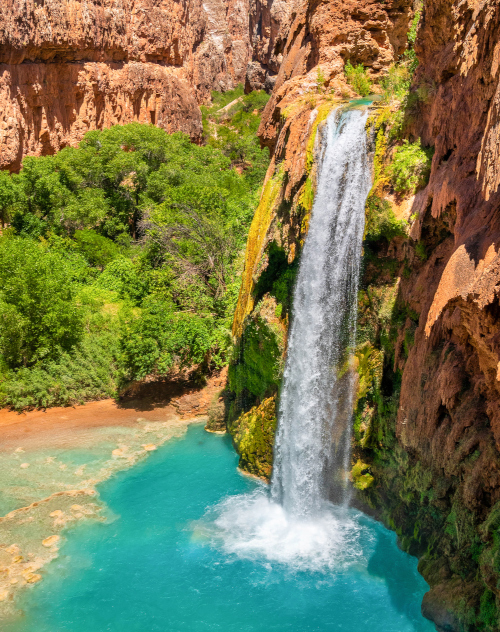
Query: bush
[(159, 340), (89, 372), (357, 77), (410, 168), (123, 277), (98, 250), (381, 223), (396, 84)]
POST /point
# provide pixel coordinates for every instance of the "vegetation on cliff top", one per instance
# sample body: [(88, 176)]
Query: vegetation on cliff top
[(122, 260)]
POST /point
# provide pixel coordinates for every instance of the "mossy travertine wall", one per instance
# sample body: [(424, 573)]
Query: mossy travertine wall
[(253, 437), (309, 84)]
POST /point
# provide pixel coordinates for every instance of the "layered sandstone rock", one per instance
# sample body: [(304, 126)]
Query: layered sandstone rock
[(67, 67)]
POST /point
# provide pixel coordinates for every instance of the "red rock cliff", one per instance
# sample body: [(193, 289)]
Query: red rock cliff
[(70, 66), (449, 413)]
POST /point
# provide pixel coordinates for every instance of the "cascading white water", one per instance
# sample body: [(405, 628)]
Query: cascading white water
[(295, 524), (313, 439)]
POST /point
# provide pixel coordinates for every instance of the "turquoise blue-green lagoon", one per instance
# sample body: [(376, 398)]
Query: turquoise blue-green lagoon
[(186, 552)]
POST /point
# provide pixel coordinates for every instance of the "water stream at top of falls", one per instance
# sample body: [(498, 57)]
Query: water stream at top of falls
[(312, 447)]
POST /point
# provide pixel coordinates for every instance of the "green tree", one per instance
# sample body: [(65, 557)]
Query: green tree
[(9, 195), (43, 191), (98, 250), (39, 316), (160, 339)]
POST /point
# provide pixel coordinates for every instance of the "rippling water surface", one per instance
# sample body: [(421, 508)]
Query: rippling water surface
[(197, 547)]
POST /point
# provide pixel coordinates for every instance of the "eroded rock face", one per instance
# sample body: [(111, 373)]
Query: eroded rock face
[(322, 36), (269, 27), (449, 413), (67, 67)]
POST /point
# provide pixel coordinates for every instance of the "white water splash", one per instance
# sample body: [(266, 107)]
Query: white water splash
[(252, 526), (296, 524)]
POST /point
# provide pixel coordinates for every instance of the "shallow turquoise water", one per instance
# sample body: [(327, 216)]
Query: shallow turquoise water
[(154, 568)]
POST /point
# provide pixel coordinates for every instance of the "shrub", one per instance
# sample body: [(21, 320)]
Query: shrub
[(358, 79), (320, 79), (122, 276), (381, 223), (410, 168), (396, 83), (90, 371), (98, 250), (159, 339)]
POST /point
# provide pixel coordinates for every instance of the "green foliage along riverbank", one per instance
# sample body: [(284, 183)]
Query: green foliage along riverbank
[(119, 259)]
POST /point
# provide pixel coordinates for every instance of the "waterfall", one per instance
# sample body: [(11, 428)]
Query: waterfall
[(295, 524), (312, 447)]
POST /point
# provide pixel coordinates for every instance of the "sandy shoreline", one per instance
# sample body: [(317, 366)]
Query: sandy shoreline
[(57, 426)]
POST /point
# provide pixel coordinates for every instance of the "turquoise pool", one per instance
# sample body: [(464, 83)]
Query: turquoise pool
[(172, 561)]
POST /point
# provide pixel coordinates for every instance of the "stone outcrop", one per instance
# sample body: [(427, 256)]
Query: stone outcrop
[(321, 38), (73, 65)]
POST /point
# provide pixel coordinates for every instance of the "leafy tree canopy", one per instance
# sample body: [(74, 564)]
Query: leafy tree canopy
[(123, 255)]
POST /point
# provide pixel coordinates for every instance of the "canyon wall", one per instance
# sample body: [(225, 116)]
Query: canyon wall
[(426, 426), (439, 475), (67, 66)]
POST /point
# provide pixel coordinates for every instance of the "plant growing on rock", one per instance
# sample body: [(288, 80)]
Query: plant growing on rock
[(410, 168), (358, 79), (320, 79)]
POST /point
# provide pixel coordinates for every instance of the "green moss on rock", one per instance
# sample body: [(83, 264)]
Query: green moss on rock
[(257, 366), (253, 434), (360, 475)]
